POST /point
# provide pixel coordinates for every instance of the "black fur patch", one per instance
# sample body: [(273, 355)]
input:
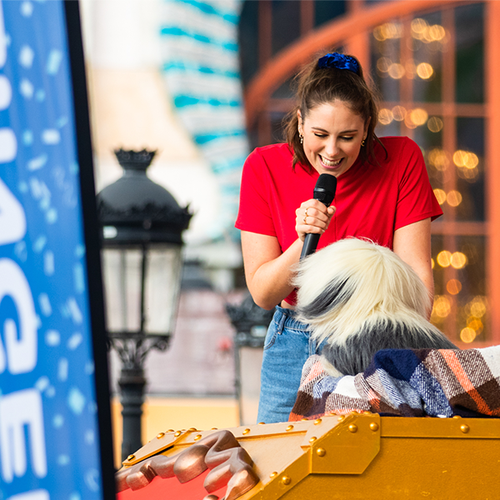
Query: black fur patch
[(354, 356), (331, 296)]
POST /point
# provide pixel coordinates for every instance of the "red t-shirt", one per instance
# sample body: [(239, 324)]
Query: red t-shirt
[(372, 200)]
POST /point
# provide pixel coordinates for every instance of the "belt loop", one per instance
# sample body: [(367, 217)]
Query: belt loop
[(281, 324)]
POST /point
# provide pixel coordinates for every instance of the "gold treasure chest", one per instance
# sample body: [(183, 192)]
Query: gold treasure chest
[(359, 455)]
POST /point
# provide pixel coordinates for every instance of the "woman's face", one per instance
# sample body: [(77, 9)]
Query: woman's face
[(332, 137)]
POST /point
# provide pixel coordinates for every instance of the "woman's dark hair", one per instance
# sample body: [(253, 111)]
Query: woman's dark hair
[(319, 85)]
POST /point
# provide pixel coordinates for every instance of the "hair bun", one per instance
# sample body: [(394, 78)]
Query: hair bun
[(339, 61)]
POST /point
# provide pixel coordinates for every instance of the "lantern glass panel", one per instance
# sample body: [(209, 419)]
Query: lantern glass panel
[(123, 268), (163, 278), (122, 283)]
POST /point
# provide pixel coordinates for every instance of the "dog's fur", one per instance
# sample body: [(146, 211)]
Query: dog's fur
[(361, 297)]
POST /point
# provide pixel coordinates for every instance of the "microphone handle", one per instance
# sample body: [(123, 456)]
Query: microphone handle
[(310, 244)]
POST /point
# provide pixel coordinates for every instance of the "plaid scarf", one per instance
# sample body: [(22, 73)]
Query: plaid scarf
[(407, 383)]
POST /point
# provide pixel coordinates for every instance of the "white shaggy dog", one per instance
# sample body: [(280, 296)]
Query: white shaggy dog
[(361, 297)]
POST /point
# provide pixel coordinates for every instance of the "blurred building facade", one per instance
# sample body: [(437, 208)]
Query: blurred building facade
[(176, 76)]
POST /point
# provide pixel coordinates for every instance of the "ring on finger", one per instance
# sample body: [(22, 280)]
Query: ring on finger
[(306, 215)]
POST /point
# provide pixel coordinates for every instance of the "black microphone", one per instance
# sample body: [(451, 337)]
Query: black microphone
[(324, 191)]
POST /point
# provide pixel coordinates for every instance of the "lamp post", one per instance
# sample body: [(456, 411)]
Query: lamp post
[(142, 227)]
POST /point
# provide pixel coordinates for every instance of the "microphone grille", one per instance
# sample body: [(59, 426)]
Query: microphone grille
[(325, 188), (327, 182)]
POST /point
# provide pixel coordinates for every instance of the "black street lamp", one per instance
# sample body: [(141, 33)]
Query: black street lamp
[(142, 227)]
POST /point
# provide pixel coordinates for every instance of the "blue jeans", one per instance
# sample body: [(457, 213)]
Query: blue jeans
[(287, 346)]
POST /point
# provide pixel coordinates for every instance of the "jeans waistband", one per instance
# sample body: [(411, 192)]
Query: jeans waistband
[(288, 318)]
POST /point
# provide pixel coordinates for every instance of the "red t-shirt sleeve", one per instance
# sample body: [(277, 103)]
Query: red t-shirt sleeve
[(416, 200), (254, 212)]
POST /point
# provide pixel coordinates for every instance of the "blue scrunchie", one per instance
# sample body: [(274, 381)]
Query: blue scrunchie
[(339, 61)]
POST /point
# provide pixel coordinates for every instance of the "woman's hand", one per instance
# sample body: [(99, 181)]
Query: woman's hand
[(312, 217), (269, 270)]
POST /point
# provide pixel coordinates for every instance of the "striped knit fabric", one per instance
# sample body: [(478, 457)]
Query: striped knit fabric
[(407, 383), (201, 71)]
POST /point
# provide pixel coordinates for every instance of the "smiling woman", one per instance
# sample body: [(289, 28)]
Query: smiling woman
[(333, 135), (383, 194)]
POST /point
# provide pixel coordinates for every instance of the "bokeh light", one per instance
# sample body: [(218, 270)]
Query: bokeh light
[(388, 31), (420, 30), (436, 32), (454, 287), (454, 198), (469, 175), (476, 325), (442, 306), (467, 335), (477, 306), (440, 196), (418, 26), (399, 113), (385, 116), (383, 64), (419, 116), (438, 158), (409, 122), (444, 258), (396, 71), (435, 124), (465, 159), (458, 260), (425, 71)]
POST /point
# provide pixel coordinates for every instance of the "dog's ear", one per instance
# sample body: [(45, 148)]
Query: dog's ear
[(336, 294)]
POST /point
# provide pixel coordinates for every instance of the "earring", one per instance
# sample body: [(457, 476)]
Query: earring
[(362, 143), (301, 138)]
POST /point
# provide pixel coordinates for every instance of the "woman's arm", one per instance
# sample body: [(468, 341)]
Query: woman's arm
[(413, 244), (268, 271)]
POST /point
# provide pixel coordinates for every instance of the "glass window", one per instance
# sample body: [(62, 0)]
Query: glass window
[(429, 40), (469, 32), (460, 303), (470, 289), (386, 59), (468, 161), (430, 139)]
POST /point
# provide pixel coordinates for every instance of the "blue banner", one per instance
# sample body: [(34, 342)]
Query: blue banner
[(49, 435)]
